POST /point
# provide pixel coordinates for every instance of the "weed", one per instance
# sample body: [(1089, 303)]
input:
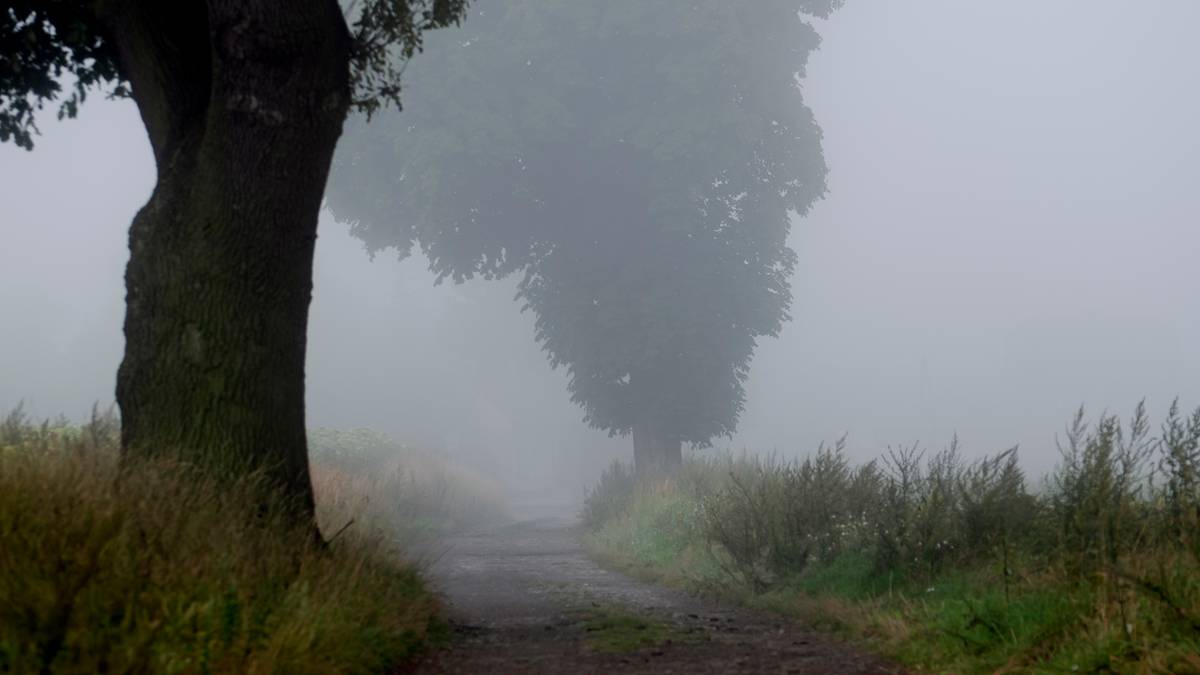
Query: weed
[(948, 565)]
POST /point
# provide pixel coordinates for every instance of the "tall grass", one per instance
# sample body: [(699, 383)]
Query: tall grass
[(157, 568), (384, 489), (954, 565)]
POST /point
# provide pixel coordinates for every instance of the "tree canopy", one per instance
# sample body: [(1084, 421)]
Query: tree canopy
[(44, 43), (637, 163), (49, 44)]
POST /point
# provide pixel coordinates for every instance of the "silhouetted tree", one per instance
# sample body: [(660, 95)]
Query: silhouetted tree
[(638, 163), (244, 103)]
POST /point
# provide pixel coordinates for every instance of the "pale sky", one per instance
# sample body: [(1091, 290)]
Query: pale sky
[(1011, 231)]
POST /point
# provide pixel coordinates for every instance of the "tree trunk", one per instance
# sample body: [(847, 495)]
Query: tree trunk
[(243, 103), (655, 455)]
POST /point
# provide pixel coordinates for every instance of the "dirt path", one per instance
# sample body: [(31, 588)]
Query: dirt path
[(526, 599)]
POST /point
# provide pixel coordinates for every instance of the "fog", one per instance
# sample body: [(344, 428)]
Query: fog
[(1010, 232)]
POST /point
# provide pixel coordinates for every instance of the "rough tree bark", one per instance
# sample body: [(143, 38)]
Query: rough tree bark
[(244, 103), (655, 455)]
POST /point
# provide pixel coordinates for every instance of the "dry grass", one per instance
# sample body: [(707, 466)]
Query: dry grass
[(161, 572), (391, 491)]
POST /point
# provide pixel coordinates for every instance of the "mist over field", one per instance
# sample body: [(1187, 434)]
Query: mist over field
[(1010, 231), (558, 336)]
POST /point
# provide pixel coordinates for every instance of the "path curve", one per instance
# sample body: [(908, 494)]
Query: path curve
[(518, 598)]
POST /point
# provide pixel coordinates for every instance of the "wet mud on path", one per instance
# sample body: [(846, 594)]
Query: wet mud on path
[(526, 599)]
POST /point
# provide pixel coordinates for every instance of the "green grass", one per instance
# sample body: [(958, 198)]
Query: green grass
[(655, 539), (851, 575), (946, 564), (967, 625), (960, 620), (162, 572), (611, 629)]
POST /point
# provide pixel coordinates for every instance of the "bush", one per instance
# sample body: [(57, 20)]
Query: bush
[(1180, 464), (1101, 489), (610, 497), (953, 565), (771, 518), (998, 516)]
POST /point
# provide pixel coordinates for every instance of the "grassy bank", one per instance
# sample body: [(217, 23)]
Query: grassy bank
[(389, 490), (162, 572), (944, 564)]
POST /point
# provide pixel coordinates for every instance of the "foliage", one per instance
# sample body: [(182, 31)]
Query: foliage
[(45, 43), (637, 163), (610, 496), (949, 565), (1180, 463), (387, 33), (772, 518), (1101, 498), (97, 576)]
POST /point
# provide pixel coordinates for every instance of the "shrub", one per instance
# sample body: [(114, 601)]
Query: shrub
[(955, 566), (1000, 519), (609, 497), (1100, 489), (917, 523), (745, 520), (1180, 464), (770, 518)]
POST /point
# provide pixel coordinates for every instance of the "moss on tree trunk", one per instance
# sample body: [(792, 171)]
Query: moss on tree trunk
[(244, 103)]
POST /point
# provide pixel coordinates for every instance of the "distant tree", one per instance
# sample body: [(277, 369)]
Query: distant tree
[(638, 163), (244, 103)]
